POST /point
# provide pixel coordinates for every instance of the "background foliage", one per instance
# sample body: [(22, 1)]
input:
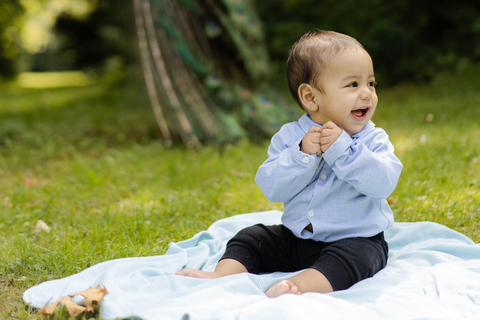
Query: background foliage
[(103, 39), (10, 10), (408, 40)]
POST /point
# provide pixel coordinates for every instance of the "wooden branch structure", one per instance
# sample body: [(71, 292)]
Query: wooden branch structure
[(206, 70)]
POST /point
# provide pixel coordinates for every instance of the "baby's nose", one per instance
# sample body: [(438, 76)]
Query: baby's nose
[(366, 94)]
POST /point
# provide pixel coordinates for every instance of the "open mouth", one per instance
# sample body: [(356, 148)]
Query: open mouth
[(360, 113)]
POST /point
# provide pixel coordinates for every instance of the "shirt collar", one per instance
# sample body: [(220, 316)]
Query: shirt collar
[(306, 123)]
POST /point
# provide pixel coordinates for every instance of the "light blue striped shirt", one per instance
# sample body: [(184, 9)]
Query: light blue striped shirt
[(346, 196)]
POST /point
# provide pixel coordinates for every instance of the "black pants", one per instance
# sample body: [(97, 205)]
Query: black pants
[(345, 262)]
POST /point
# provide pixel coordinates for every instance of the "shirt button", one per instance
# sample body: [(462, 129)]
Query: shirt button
[(305, 160), (311, 213), (323, 176)]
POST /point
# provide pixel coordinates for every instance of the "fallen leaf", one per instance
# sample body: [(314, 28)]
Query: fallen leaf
[(93, 293), (72, 308), (41, 225), (88, 305), (48, 309)]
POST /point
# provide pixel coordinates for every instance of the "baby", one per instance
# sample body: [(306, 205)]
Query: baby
[(332, 170)]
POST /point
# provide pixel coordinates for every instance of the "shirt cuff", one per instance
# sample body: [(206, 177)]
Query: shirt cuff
[(302, 158), (338, 148)]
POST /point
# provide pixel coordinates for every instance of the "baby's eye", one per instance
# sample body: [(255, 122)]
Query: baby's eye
[(353, 84), (372, 84)]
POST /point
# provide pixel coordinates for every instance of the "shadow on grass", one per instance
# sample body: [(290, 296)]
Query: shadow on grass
[(81, 116)]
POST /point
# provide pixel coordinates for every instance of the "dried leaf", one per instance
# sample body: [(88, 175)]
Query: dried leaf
[(93, 293), (41, 225), (88, 305), (72, 308), (48, 309)]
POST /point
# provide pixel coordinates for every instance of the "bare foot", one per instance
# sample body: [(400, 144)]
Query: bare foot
[(197, 274), (282, 287)]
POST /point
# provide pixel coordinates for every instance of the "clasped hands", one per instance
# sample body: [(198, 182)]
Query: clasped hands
[(318, 140)]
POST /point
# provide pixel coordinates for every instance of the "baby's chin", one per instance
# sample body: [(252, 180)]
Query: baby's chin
[(354, 130)]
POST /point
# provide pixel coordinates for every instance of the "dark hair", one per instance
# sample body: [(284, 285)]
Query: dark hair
[(310, 54)]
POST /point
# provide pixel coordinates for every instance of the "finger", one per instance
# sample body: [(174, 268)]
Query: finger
[(312, 139), (325, 140), (313, 136), (329, 125), (327, 132), (325, 144), (310, 148), (315, 129), (316, 137)]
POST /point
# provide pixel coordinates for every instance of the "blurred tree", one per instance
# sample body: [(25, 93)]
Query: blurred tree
[(10, 13), (207, 70)]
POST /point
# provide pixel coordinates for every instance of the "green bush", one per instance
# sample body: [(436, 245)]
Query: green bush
[(408, 40)]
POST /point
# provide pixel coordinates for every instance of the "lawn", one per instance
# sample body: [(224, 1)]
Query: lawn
[(89, 163)]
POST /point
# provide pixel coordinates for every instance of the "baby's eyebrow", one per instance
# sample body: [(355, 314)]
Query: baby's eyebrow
[(350, 77), (357, 76)]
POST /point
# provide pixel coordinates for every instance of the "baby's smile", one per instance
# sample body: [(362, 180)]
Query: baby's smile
[(360, 114)]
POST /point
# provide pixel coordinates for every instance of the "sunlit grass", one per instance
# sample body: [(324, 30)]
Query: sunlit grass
[(441, 178), (88, 162), (436, 132), (52, 79)]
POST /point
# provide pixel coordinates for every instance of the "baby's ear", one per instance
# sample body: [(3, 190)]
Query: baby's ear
[(308, 98)]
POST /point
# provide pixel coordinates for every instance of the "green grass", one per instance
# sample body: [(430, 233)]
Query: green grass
[(441, 177), (88, 162)]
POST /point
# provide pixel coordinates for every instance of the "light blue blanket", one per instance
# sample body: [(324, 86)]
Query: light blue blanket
[(433, 273)]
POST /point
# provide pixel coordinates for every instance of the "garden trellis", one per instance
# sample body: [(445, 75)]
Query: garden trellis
[(207, 71)]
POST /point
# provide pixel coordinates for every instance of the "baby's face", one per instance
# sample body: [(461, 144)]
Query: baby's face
[(349, 98)]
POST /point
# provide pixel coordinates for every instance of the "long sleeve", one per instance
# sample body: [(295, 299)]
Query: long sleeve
[(368, 164), (287, 171)]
